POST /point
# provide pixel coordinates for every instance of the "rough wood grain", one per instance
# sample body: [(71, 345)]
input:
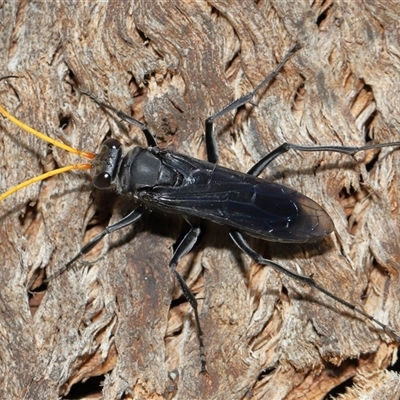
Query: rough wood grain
[(172, 64)]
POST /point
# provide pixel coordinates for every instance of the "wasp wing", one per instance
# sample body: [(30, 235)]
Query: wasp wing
[(262, 209)]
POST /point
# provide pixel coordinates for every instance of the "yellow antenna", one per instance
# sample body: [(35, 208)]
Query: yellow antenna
[(84, 154)]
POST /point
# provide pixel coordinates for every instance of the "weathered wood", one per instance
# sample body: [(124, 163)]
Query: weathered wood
[(174, 63)]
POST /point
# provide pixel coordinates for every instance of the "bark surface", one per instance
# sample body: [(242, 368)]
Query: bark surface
[(119, 326)]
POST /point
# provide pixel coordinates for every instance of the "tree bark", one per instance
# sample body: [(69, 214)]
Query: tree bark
[(117, 326)]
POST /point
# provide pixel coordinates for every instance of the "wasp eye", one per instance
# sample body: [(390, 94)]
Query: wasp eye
[(102, 180), (112, 144)]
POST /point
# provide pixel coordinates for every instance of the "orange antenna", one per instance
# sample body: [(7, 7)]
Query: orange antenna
[(84, 154)]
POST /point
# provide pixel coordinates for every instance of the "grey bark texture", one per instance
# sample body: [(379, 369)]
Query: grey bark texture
[(171, 64)]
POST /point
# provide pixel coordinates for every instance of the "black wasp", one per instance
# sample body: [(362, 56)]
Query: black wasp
[(196, 189)]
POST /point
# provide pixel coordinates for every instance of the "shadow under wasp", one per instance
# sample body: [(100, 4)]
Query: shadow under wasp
[(197, 189)]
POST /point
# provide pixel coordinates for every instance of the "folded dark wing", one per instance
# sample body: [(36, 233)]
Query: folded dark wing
[(262, 209)]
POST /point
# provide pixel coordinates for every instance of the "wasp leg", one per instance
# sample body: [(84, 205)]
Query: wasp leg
[(151, 142), (211, 144), (241, 242), (259, 166), (131, 218), (183, 248)]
